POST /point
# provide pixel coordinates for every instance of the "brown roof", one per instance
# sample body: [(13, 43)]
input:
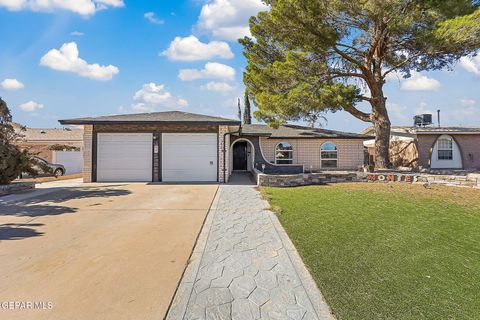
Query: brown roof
[(295, 131), (51, 134), (410, 130), (174, 117)]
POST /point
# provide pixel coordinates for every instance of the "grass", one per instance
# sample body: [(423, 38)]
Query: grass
[(388, 253)]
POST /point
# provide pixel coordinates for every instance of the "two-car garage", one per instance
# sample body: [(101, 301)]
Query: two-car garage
[(169, 146), (181, 157)]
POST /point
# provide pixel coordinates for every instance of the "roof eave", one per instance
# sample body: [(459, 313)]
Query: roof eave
[(109, 122)]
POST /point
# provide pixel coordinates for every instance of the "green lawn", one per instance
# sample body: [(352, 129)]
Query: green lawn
[(388, 253)]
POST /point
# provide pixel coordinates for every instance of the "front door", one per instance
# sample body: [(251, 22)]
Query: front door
[(240, 156)]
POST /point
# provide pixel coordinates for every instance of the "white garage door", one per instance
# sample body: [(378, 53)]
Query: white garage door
[(189, 157), (124, 157)]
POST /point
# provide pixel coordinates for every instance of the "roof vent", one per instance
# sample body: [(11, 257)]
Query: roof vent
[(422, 120), (43, 132)]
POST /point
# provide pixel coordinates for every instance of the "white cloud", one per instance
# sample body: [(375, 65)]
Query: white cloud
[(82, 7), (400, 112), (67, 59), (12, 84), (191, 49), (424, 108), (150, 16), (218, 86), (228, 19), (419, 82), (77, 33), (152, 97), (212, 70), (31, 106), (468, 102), (471, 64)]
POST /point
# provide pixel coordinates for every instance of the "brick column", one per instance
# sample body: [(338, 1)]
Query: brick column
[(87, 152), (223, 154)]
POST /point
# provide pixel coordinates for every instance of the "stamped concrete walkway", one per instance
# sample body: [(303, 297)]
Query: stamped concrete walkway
[(244, 266)]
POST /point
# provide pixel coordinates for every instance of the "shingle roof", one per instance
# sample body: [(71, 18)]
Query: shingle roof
[(153, 117), (51, 134), (410, 130), (295, 131)]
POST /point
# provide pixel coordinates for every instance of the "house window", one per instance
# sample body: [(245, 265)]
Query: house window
[(445, 149), (284, 153), (328, 155)]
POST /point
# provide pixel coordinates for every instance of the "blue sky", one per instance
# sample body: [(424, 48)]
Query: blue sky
[(96, 57)]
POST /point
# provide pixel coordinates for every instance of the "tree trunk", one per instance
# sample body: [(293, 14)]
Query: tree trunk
[(381, 123)]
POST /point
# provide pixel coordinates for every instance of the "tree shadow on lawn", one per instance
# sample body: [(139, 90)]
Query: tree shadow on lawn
[(48, 205)]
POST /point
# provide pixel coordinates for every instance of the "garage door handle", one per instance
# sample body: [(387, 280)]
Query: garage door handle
[(211, 163)]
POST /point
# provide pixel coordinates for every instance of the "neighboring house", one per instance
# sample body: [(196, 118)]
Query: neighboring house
[(433, 147), (179, 146), (43, 141)]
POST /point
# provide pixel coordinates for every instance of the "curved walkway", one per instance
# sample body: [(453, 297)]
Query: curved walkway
[(244, 266)]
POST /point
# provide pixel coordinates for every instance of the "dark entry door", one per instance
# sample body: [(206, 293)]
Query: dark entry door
[(240, 155)]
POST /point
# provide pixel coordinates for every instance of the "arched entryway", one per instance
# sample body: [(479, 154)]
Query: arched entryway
[(446, 154), (242, 155)]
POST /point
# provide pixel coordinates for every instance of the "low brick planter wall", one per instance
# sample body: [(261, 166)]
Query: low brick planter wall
[(16, 187), (304, 179)]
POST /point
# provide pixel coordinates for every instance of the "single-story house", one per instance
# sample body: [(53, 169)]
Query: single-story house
[(179, 146), (456, 148), (44, 141)]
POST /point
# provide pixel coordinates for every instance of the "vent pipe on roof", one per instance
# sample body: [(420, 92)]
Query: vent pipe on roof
[(438, 117)]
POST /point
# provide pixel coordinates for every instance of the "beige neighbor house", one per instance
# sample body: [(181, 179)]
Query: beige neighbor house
[(179, 146), (455, 148), (44, 141)]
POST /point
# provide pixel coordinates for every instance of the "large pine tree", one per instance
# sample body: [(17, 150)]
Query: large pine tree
[(311, 56)]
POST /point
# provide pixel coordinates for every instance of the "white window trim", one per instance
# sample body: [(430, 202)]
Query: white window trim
[(326, 159), (451, 148), (284, 150)]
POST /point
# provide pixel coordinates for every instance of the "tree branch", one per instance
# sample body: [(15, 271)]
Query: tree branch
[(350, 59), (367, 117)]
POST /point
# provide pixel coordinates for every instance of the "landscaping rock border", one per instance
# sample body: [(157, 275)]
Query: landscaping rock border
[(471, 180)]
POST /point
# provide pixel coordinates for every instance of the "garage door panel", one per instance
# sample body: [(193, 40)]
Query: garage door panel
[(189, 157), (124, 157)]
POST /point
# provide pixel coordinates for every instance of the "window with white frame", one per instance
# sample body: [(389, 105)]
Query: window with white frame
[(283, 153), (445, 148), (328, 155)]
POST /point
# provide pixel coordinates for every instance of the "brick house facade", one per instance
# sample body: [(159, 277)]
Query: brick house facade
[(423, 144), (307, 152), (469, 145), (40, 141), (118, 147)]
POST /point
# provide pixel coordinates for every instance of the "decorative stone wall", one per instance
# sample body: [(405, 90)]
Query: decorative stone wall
[(468, 180), (16, 187), (293, 180), (87, 152), (304, 179)]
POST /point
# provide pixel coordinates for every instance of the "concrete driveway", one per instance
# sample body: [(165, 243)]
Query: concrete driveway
[(98, 251)]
